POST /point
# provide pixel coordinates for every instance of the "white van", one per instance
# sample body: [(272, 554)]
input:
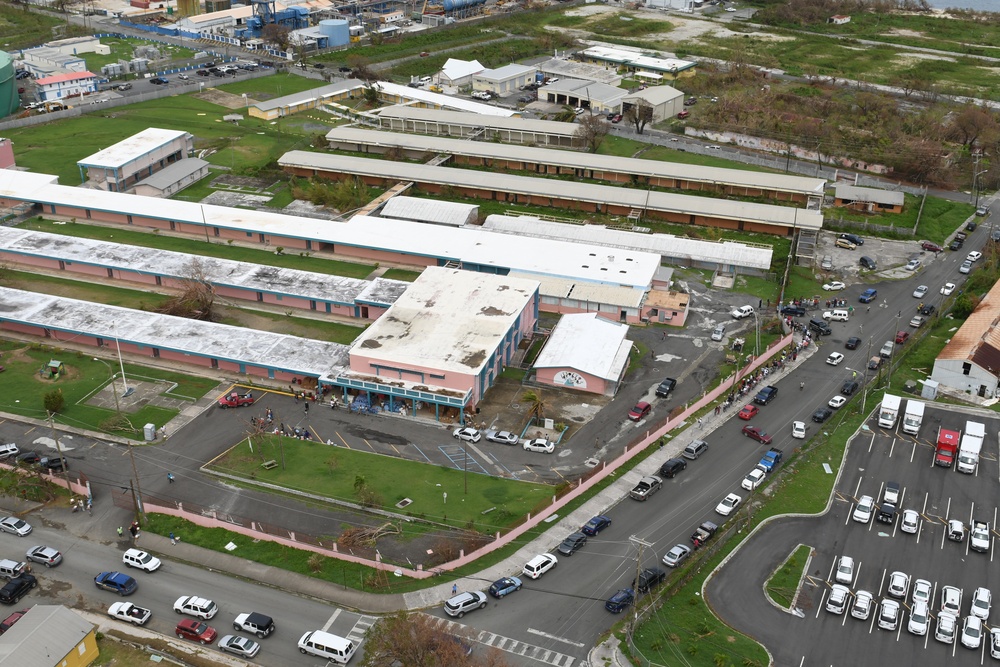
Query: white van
[(327, 645), (8, 450)]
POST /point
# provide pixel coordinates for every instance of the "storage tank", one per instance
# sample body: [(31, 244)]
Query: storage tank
[(338, 30), (454, 5), (9, 100)]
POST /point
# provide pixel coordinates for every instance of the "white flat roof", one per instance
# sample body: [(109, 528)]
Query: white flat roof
[(478, 247), (132, 148), (302, 356), (506, 72), (449, 319), (445, 101), (720, 252), (577, 160), (434, 211), (222, 272), (587, 343), (687, 205)]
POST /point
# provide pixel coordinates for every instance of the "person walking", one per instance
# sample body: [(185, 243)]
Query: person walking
[(121, 531), (170, 477), (307, 408), (454, 589)]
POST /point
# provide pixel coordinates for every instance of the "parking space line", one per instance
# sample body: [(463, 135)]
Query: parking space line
[(507, 470), (343, 440), (426, 458), (370, 445), (329, 622), (913, 452), (892, 447)]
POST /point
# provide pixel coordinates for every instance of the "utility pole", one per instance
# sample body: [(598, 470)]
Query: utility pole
[(137, 491), (864, 395), (52, 429), (640, 545), (888, 380)]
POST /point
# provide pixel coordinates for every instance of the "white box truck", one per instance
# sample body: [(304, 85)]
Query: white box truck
[(913, 417), (889, 411), (972, 445)]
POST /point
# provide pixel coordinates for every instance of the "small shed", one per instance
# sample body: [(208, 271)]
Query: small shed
[(53, 370)]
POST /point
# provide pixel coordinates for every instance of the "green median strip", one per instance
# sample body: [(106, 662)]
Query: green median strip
[(783, 584)]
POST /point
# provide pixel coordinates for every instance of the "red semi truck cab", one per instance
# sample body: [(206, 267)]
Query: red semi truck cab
[(947, 447)]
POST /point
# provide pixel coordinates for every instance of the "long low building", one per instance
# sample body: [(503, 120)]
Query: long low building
[(625, 170), (563, 194), (269, 285), (575, 277), (724, 256), (442, 122)]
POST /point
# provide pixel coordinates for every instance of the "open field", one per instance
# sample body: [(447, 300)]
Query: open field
[(20, 28)]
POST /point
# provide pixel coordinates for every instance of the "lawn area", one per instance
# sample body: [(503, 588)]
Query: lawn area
[(124, 49), (268, 87), (784, 582), (401, 274), (491, 503), (198, 247), (24, 388), (939, 218), (22, 28)]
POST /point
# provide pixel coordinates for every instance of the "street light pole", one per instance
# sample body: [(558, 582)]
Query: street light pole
[(864, 394), (889, 374), (111, 378), (127, 390)]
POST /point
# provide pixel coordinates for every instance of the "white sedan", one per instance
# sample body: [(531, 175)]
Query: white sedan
[(539, 445), (834, 286), (728, 504), (15, 526), (834, 358), (948, 288), (920, 291), (837, 402), (754, 479), (910, 522), (974, 256), (799, 430), (863, 512)]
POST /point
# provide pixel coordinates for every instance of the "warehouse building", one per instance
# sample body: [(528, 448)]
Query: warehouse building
[(445, 123), (595, 97), (585, 352), (505, 80)]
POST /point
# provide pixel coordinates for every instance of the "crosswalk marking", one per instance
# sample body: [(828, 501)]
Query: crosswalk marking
[(357, 633), (506, 644)]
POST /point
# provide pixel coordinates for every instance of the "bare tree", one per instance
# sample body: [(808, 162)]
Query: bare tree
[(278, 34), (196, 298), (591, 132), (416, 640), (639, 114)]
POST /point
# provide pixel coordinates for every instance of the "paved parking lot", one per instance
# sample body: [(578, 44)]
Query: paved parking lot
[(877, 456)]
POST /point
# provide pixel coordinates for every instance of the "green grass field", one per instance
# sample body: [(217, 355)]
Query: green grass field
[(24, 388), (312, 467), (21, 28)]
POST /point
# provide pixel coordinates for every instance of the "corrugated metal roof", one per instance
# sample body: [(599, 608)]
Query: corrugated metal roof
[(63, 78), (587, 343), (174, 172), (874, 195), (656, 95), (576, 160), (429, 210), (132, 148), (460, 119), (668, 246), (445, 101), (585, 90), (978, 339), (459, 69), (782, 217), (43, 637), (449, 319), (506, 72), (637, 58), (554, 287)]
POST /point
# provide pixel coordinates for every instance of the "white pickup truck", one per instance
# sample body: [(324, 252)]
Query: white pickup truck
[(979, 536), (126, 611)]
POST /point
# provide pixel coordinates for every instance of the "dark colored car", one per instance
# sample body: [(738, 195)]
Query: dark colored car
[(596, 525), (6, 624), (868, 295), (641, 409), (198, 631), (620, 601), (505, 586), (853, 238), (794, 311), (116, 582), (867, 262), (202, 72), (852, 343), (22, 74), (28, 457), (756, 433), (666, 387), (158, 81), (53, 463), (927, 310), (956, 245), (572, 543), (17, 588), (822, 415), (672, 467), (933, 247), (648, 579), (765, 395), (850, 386)]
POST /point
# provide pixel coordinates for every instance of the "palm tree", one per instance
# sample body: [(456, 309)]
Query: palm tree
[(536, 403)]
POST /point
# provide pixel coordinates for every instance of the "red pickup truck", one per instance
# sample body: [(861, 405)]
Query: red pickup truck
[(236, 400)]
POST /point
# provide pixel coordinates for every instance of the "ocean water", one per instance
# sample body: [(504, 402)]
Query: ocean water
[(979, 5)]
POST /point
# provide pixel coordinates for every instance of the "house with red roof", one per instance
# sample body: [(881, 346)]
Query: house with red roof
[(70, 84)]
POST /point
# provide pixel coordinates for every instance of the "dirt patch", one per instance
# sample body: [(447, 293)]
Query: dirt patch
[(684, 29), (234, 181), (505, 409), (903, 32), (912, 57), (223, 99)]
